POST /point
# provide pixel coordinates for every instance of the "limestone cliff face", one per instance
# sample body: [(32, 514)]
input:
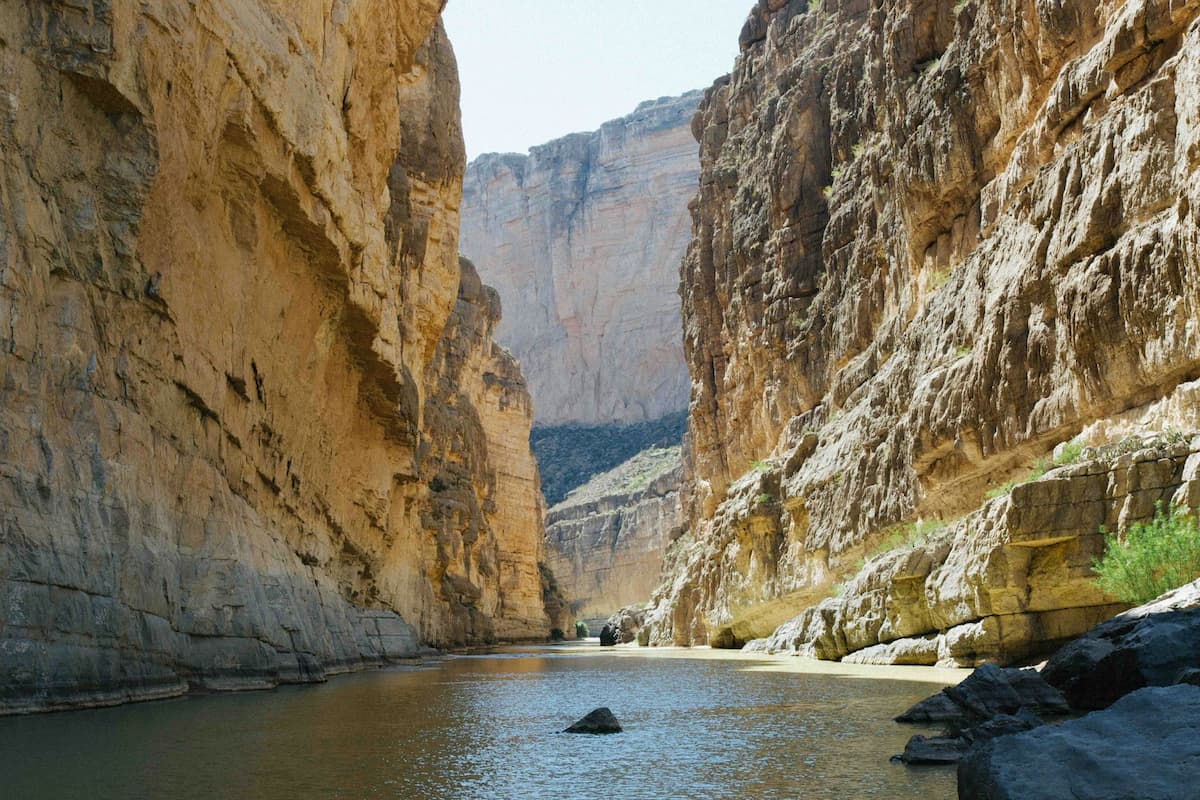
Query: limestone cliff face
[(583, 239), (231, 403), (933, 240), (605, 543)]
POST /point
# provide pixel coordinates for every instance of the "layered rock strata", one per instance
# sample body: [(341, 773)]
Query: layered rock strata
[(239, 443), (583, 238), (1006, 583), (932, 241), (605, 543)]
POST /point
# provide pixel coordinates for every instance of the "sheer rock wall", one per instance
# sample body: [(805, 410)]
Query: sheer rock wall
[(583, 238), (228, 254), (933, 240)]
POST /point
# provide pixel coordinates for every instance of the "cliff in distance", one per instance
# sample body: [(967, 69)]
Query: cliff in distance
[(253, 428), (933, 242), (583, 239), (605, 542)]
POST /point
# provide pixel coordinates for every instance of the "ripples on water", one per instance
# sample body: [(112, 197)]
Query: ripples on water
[(477, 727)]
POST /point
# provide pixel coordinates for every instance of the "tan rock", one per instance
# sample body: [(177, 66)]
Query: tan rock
[(1008, 583), (606, 542), (583, 239), (932, 242), (228, 253)]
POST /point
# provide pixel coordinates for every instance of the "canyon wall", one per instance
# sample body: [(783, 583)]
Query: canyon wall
[(253, 428), (606, 541), (934, 240), (583, 238)]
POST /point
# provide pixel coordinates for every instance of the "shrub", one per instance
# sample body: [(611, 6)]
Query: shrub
[(581, 629), (1151, 558), (557, 635), (1071, 452), (764, 499)]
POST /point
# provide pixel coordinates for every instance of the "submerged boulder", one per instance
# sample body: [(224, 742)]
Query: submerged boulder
[(601, 720), (1146, 746), (1152, 645)]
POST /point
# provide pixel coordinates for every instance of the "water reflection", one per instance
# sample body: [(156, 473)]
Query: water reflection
[(486, 727)]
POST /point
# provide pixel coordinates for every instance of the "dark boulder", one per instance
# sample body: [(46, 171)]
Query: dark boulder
[(1145, 746), (988, 692), (950, 748), (1152, 645), (608, 636), (599, 721)]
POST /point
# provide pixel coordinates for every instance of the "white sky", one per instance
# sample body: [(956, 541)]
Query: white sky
[(535, 70)]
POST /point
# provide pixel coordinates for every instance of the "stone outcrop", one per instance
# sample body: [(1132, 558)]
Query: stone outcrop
[(583, 238), (240, 442), (1147, 745), (991, 702), (1157, 644), (1007, 583), (986, 693), (933, 241), (950, 748), (605, 543)]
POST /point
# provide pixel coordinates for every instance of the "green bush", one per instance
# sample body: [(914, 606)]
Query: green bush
[(1071, 452), (556, 635), (1151, 558), (581, 629)]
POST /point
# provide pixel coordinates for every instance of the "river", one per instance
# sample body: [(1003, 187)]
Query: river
[(698, 724)]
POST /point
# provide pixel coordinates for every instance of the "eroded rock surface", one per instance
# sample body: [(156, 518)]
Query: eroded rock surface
[(605, 543), (932, 241), (231, 408), (583, 238), (1008, 583), (987, 693)]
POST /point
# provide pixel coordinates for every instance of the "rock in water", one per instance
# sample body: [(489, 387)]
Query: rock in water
[(1152, 645), (1146, 746), (601, 720), (608, 636), (987, 693), (949, 749)]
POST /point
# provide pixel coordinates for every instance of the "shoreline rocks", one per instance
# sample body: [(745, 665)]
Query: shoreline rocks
[(1144, 746), (1157, 644), (991, 702)]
